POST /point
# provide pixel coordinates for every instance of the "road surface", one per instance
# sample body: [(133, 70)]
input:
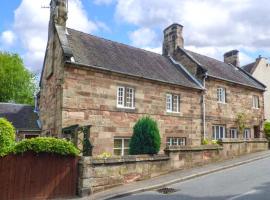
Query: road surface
[(246, 182)]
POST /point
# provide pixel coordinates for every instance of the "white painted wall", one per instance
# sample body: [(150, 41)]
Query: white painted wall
[(262, 73)]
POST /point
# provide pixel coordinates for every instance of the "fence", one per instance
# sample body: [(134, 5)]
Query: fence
[(37, 176)]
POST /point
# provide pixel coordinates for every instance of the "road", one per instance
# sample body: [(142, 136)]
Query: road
[(246, 182)]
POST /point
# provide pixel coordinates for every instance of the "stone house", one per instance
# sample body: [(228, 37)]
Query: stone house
[(88, 80), (23, 117), (260, 69)]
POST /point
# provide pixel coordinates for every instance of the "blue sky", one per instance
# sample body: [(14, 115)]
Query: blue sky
[(211, 27)]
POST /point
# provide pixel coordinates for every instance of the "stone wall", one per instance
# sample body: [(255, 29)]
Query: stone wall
[(238, 100), (89, 98), (96, 174), (51, 88)]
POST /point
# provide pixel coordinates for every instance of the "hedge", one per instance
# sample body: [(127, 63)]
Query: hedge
[(46, 145), (7, 137)]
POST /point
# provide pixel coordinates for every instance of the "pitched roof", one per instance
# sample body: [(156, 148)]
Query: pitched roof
[(22, 116), (250, 67), (92, 51), (224, 71)]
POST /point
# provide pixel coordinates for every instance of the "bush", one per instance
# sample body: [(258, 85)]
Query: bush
[(46, 145), (267, 129), (7, 137), (145, 138)]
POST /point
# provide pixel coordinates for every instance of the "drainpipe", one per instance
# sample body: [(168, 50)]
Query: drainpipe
[(203, 102)]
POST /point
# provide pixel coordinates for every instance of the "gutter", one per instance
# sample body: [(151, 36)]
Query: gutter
[(204, 109)]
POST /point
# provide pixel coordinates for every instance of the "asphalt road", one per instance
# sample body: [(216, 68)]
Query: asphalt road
[(246, 182)]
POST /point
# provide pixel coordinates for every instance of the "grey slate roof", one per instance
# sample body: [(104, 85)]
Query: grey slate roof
[(224, 71), (97, 52), (22, 116), (250, 67)]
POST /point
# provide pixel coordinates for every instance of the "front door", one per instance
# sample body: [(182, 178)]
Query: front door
[(256, 132)]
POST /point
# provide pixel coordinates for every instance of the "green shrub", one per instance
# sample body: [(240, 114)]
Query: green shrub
[(205, 142), (46, 145), (7, 137), (145, 138), (267, 129)]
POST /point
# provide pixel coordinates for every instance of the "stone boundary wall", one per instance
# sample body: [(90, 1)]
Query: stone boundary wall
[(97, 174)]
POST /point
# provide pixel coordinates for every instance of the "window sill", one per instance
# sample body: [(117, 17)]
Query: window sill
[(219, 102), (255, 108), (130, 108), (171, 112)]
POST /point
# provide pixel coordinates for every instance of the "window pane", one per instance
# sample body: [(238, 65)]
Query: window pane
[(169, 102), (120, 100), (126, 152), (126, 143), (117, 152), (117, 143), (175, 103)]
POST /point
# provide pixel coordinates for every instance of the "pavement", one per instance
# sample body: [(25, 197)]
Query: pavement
[(175, 177)]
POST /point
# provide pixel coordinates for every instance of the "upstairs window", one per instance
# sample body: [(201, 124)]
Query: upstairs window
[(255, 102), (221, 95), (172, 103), (125, 97), (176, 141)]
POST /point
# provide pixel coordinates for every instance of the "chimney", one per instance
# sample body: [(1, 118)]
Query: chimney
[(232, 57), (172, 39), (59, 9)]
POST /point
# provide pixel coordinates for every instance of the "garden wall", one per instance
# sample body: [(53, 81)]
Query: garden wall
[(100, 174), (37, 176)]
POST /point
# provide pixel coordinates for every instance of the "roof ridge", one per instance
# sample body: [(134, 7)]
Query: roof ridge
[(252, 63), (120, 43), (207, 57)]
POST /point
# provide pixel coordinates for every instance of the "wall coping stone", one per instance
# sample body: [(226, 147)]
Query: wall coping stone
[(255, 140), (123, 159), (194, 148)]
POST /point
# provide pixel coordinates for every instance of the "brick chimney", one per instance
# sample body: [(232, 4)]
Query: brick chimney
[(59, 10), (232, 57), (173, 38)]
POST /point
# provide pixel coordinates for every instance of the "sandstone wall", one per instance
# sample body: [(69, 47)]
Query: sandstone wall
[(89, 98), (51, 90), (238, 100)]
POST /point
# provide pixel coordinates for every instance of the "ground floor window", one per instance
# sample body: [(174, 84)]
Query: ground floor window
[(218, 132), (233, 133), (121, 146), (247, 133), (176, 141), (29, 136)]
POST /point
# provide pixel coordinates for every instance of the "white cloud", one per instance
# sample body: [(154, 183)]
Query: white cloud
[(8, 37), (31, 27), (211, 27), (143, 37)]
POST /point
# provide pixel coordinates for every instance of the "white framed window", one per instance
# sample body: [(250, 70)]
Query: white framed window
[(255, 101), (221, 95), (125, 97), (233, 133), (247, 133), (172, 103), (219, 132), (176, 141), (121, 146)]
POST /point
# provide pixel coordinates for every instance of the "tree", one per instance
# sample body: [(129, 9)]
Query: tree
[(7, 137), (241, 122), (17, 84), (267, 129), (145, 138)]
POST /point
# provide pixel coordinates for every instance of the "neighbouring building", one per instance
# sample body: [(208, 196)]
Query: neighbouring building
[(88, 80), (23, 118), (260, 69)]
